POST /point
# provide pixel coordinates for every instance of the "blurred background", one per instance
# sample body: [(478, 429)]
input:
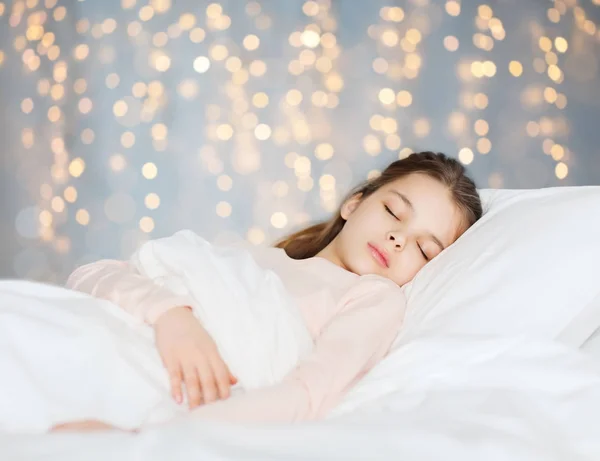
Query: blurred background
[(125, 120)]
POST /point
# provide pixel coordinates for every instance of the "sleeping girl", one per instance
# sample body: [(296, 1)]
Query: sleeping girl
[(345, 277)]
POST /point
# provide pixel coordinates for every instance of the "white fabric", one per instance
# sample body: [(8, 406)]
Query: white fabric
[(260, 332), (108, 366), (486, 367), (444, 398), (66, 356), (530, 266)]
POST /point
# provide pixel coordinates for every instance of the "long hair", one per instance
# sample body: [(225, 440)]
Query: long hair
[(308, 242)]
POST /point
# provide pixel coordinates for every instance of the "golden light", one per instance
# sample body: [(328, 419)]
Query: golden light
[(224, 132), (112, 81), (219, 52), (561, 170), (146, 13), (262, 131), (81, 52), (452, 7), (224, 182), (380, 65), (159, 131), (484, 145), (279, 220), (70, 194), (327, 182), (214, 10), (389, 125), (58, 204), (387, 96), (251, 42), (197, 35), (257, 68), (146, 224), (481, 127), (223, 209), (404, 98), (545, 44), (480, 101), (324, 151), (128, 139), (557, 152), (451, 43), (293, 97), (187, 21), (82, 217), (255, 236), (550, 95), (561, 44), (466, 156), (120, 108), (421, 127), (27, 105), (233, 64), (310, 38), (149, 170), (152, 201), (76, 167), (201, 64), (117, 162), (393, 142), (515, 68), (310, 8), (372, 145), (390, 38), (260, 100)]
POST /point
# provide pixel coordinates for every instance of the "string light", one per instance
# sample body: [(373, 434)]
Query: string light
[(249, 118)]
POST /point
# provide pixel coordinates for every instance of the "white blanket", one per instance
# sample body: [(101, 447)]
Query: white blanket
[(260, 333), (448, 398), (69, 356)]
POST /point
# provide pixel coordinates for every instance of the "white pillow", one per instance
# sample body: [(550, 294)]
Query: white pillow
[(530, 266)]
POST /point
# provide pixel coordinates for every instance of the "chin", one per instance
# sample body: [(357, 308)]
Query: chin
[(365, 267)]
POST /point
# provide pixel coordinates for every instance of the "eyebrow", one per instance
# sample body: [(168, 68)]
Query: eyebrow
[(409, 204)]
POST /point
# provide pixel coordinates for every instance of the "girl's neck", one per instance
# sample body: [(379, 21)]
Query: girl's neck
[(331, 254)]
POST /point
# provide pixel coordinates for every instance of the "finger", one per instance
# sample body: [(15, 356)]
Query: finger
[(175, 377), (222, 379), (207, 380), (192, 386), (232, 379)]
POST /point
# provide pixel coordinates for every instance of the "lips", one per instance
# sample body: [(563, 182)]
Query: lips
[(379, 256)]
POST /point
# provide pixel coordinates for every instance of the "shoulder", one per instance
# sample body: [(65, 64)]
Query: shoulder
[(375, 290)]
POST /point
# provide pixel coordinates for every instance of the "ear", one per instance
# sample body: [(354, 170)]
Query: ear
[(350, 205)]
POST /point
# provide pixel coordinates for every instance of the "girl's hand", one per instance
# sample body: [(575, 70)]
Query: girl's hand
[(191, 357)]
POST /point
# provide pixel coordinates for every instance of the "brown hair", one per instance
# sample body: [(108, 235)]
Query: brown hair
[(306, 243)]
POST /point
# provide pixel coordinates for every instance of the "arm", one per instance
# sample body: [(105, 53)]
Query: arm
[(187, 350), (120, 283), (353, 342)]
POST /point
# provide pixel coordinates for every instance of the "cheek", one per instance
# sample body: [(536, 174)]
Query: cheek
[(408, 266)]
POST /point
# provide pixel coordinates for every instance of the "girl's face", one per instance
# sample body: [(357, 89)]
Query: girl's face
[(396, 230)]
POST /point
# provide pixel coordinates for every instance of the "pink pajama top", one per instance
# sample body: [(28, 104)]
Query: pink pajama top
[(353, 320)]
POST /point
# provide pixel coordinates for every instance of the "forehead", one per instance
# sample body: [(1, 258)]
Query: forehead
[(434, 210)]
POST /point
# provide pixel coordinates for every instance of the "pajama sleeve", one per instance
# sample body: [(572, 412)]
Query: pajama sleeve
[(120, 283), (357, 338)]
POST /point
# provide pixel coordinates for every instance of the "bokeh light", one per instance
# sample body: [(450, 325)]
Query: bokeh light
[(135, 120)]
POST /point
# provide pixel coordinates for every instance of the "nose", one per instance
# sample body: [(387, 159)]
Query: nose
[(397, 239)]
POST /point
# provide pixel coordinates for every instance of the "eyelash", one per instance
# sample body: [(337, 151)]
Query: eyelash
[(387, 208)]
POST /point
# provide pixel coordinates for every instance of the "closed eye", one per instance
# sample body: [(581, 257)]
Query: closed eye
[(387, 208), (423, 253)]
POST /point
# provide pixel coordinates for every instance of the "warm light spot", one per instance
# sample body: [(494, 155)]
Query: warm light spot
[(149, 170), (466, 156)]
